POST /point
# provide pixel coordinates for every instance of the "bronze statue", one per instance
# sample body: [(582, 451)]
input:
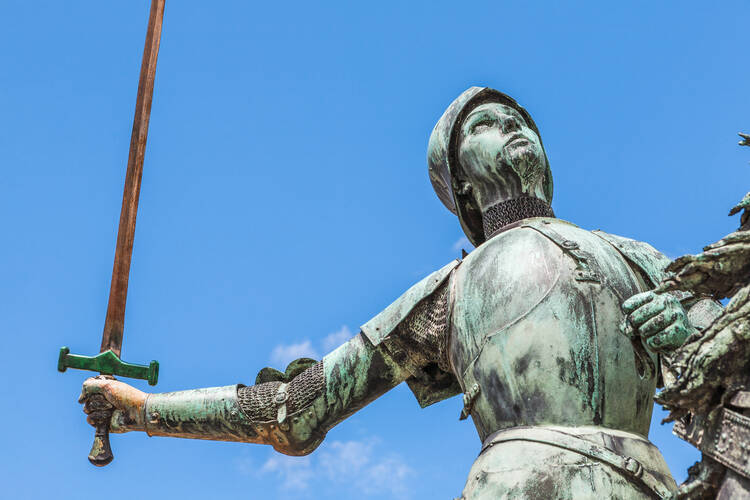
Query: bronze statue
[(549, 331)]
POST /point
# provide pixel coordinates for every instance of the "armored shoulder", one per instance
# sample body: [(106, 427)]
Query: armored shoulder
[(648, 260), (382, 325), (413, 330), (652, 264)]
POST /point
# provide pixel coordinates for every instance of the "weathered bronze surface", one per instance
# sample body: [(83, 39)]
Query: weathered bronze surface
[(551, 333)]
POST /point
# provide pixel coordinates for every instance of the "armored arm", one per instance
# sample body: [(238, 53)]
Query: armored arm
[(293, 417), (406, 342)]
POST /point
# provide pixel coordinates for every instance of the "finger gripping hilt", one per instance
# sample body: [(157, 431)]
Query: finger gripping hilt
[(100, 416)]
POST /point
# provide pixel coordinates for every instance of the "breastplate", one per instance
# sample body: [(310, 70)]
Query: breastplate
[(535, 337)]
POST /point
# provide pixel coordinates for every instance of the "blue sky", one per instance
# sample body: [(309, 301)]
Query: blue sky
[(285, 201)]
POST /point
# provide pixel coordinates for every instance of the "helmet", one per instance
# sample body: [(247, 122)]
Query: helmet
[(442, 158)]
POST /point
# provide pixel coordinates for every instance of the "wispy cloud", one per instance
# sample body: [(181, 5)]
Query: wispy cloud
[(335, 339), (351, 465), (295, 473), (356, 462), (283, 354)]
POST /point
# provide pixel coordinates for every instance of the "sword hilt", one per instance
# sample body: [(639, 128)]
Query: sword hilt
[(99, 409), (108, 363), (100, 415)]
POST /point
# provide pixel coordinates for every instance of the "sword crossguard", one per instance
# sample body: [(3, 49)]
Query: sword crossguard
[(108, 363)]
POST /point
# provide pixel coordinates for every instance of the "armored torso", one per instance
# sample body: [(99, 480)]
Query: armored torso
[(534, 332)]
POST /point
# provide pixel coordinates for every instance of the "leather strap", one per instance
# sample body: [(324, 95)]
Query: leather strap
[(628, 466)]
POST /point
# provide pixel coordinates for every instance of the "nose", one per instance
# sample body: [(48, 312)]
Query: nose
[(509, 124)]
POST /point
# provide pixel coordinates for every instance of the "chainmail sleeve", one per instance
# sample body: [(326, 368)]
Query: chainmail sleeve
[(288, 415), (259, 401), (421, 341), (423, 335)]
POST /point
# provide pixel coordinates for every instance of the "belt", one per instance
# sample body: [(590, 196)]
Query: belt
[(628, 466)]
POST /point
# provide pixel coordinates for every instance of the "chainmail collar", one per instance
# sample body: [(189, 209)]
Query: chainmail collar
[(507, 212)]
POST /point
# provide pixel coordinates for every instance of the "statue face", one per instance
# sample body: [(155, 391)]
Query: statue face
[(501, 156)]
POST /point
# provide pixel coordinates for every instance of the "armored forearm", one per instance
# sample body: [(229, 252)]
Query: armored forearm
[(211, 413), (292, 417), (286, 416)]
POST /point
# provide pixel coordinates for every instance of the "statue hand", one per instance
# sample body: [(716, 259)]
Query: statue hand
[(659, 319), (129, 403)]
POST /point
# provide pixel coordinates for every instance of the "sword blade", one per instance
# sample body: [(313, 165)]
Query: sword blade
[(118, 292)]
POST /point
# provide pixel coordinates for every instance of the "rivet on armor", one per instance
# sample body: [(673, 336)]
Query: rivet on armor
[(469, 398), (280, 397), (570, 245)]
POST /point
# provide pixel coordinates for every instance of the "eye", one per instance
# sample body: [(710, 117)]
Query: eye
[(481, 125), (518, 117)]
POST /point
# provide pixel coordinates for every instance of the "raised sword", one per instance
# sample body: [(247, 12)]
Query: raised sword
[(108, 361)]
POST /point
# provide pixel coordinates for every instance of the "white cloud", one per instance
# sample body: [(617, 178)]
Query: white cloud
[(351, 465), (462, 242), (295, 472), (335, 339), (390, 474), (356, 463), (283, 354), (346, 458)]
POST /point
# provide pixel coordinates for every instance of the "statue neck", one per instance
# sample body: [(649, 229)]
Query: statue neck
[(499, 215)]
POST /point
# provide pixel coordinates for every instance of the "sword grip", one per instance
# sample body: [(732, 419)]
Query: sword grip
[(100, 415)]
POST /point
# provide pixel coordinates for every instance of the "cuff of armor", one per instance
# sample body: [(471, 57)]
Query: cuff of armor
[(212, 413)]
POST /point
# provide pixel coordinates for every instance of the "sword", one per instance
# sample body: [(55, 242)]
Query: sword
[(108, 361)]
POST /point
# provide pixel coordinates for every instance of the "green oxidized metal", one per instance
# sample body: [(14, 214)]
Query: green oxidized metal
[(536, 343), (108, 363), (528, 327)]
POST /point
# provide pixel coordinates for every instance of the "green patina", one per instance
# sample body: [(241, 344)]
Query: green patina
[(108, 363), (557, 377)]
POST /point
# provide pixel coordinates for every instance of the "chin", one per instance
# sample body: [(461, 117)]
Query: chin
[(528, 155), (527, 162)]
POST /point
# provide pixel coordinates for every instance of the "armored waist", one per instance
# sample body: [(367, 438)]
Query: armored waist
[(631, 455)]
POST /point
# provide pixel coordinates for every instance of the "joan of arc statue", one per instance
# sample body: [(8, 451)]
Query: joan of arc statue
[(549, 332)]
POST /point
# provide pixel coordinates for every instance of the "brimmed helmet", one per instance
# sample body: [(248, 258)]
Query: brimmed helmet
[(446, 174)]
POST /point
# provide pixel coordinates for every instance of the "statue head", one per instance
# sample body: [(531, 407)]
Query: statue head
[(485, 157)]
